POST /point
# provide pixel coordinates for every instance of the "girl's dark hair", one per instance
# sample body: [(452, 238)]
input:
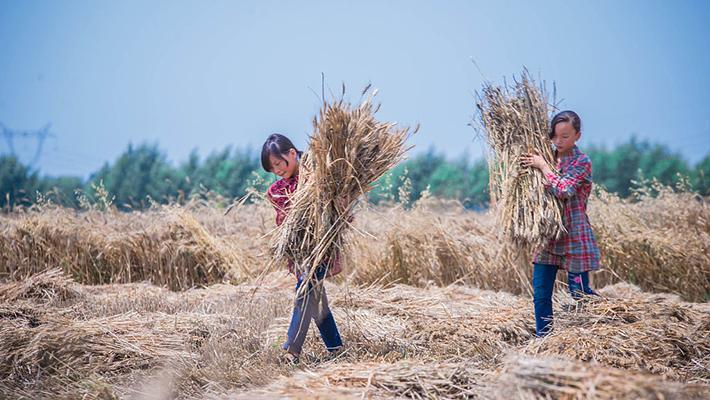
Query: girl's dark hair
[(277, 145), (565, 116)]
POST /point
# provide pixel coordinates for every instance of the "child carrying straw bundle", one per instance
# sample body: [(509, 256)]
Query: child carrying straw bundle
[(281, 157), (314, 200), (577, 250), (542, 207)]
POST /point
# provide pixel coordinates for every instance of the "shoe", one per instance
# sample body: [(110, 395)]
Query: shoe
[(290, 358), (336, 352)]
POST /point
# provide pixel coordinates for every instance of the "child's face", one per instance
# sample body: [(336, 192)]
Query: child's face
[(565, 137), (285, 167)]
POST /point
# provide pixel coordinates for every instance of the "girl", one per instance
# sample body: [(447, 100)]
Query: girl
[(280, 156), (577, 251)]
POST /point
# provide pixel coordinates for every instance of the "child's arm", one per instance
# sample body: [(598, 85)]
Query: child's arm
[(565, 186)]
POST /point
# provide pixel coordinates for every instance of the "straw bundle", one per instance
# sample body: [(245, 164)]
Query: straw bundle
[(50, 285), (519, 378), (62, 345), (515, 121), (168, 247), (660, 243), (535, 378), (435, 342), (202, 258), (349, 150)]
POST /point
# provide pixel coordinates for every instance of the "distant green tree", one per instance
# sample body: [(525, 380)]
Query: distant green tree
[(421, 168), (143, 171), (462, 180), (631, 161), (18, 183), (477, 192), (458, 180), (448, 180), (387, 188), (701, 176), (61, 190), (226, 172), (140, 172)]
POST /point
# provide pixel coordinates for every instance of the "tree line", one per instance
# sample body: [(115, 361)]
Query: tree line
[(142, 176)]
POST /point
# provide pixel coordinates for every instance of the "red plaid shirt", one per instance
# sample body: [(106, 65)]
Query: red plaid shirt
[(577, 251), (279, 195)]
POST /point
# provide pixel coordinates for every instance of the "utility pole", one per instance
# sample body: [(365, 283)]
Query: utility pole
[(41, 135)]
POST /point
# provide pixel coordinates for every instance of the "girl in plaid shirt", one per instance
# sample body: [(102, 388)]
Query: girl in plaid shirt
[(279, 156), (577, 251)]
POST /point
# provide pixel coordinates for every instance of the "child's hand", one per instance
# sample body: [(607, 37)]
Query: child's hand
[(535, 161)]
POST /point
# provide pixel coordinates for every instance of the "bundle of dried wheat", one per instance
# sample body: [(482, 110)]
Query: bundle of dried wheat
[(349, 150), (515, 119)]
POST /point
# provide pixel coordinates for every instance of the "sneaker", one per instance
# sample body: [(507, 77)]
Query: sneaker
[(290, 358), (336, 352)]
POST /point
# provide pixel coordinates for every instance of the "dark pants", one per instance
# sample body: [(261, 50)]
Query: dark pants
[(312, 304), (543, 283)]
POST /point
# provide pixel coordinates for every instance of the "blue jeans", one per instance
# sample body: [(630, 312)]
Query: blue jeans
[(543, 283), (313, 304)]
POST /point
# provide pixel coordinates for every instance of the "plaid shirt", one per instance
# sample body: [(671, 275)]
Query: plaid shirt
[(279, 194), (577, 251)]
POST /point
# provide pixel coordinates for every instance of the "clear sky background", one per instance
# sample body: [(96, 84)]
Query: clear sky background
[(207, 74)]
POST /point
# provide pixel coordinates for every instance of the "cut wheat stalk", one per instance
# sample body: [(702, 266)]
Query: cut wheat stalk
[(349, 150), (515, 120)]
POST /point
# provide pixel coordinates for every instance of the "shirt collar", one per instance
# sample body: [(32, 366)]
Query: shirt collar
[(572, 155)]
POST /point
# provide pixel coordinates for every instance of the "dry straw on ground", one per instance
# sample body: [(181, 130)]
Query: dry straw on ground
[(69, 340), (349, 149), (403, 379), (518, 377), (529, 378), (515, 120), (629, 329)]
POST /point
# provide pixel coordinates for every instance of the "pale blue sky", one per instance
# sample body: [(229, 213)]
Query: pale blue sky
[(207, 74)]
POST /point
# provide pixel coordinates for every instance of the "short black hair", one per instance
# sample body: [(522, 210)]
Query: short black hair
[(565, 116), (277, 145)]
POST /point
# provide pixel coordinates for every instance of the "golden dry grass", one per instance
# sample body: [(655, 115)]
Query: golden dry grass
[(167, 246), (661, 243), (91, 308)]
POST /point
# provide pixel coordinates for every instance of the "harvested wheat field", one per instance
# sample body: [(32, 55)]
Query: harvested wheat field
[(171, 303)]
